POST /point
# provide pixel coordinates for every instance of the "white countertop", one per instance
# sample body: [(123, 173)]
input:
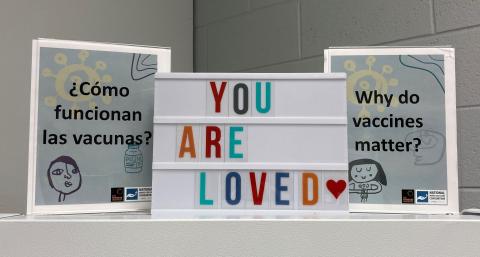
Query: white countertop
[(140, 234), (6, 215), (188, 216)]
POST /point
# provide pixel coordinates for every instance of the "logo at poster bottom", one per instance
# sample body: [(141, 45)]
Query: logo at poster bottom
[(422, 196), (431, 197), (131, 194), (116, 194), (408, 196)]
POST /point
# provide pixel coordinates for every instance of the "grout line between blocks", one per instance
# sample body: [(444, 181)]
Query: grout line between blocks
[(426, 36), (299, 29), (206, 49), (433, 20), (461, 188), (468, 107), (195, 41), (243, 13), (279, 63)]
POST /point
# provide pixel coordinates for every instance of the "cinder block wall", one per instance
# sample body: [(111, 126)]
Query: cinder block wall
[(289, 36)]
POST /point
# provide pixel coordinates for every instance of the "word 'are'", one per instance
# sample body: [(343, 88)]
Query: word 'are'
[(213, 143)]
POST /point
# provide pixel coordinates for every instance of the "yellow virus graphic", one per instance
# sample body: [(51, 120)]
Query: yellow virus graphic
[(76, 74), (367, 80)]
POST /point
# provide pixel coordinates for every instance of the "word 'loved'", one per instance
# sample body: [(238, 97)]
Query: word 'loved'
[(273, 189)]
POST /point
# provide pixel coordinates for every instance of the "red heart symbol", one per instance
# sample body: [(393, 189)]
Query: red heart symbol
[(336, 188)]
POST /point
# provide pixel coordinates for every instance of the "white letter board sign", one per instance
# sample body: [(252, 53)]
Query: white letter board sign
[(244, 142)]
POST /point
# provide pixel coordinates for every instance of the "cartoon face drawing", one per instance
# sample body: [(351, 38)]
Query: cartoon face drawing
[(64, 176), (366, 177), (431, 148), (364, 172)]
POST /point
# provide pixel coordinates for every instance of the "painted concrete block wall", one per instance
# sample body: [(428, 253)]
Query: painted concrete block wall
[(146, 22), (290, 35)]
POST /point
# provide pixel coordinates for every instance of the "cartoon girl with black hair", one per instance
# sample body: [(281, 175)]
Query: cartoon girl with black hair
[(64, 176), (366, 177)]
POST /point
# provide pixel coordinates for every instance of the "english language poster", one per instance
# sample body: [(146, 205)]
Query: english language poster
[(397, 128)]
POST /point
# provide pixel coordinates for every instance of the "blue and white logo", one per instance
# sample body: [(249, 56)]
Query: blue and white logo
[(131, 194), (422, 196)]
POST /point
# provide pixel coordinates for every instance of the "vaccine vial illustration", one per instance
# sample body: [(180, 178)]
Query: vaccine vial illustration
[(133, 159)]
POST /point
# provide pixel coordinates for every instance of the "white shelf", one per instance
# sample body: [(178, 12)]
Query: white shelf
[(6, 215), (139, 234)]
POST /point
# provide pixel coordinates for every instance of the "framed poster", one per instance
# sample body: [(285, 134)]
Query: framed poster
[(91, 117), (402, 138), (249, 143)]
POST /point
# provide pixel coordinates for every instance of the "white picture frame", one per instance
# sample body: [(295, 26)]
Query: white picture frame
[(452, 206), (163, 65)]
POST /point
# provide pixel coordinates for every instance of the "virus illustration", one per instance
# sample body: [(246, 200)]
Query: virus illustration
[(367, 80), (75, 74)]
